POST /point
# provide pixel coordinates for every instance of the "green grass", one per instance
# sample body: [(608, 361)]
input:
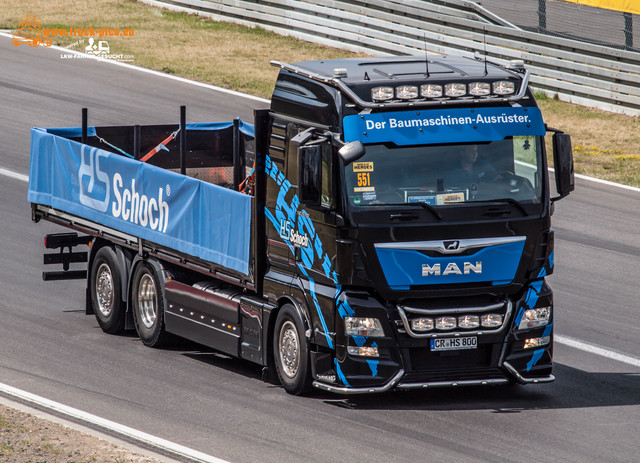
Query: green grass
[(237, 57)]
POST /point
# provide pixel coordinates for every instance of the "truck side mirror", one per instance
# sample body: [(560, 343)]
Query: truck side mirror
[(310, 174), (352, 151), (563, 164)]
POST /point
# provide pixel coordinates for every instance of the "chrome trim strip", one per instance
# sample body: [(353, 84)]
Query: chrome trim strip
[(438, 246), (359, 390), (439, 334), (469, 382), (456, 310), (522, 380)]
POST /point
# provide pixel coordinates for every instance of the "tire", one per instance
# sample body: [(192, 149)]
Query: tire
[(148, 308), (291, 352), (106, 291)]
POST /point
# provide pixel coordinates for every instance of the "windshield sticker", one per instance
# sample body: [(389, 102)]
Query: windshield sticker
[(524, 149), (363, 166), (450, 198), (443, 126), (437, 199)]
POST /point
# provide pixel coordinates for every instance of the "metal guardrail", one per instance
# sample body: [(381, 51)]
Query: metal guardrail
[(583, 73)]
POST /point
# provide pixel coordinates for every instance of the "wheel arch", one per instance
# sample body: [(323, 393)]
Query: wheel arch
[(270, 331)]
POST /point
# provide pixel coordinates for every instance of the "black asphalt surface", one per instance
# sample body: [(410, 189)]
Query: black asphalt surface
[(220, 406)]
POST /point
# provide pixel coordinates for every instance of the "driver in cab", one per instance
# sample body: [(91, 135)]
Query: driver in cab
[(470, 168)]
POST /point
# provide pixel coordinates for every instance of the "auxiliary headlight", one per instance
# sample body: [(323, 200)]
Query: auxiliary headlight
[(382, 93), (431, 90), (535, 317), (479, 88), (363, 326), (445, 323), (422, 324), (536, 342), (468, 321), (504, 87), (363, 351), (455, 89), (491, 320), (407, 92)]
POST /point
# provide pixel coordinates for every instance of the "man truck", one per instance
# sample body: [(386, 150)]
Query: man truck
[(385, 224)]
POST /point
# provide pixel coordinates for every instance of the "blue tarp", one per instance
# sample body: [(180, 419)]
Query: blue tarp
[(191, 216)]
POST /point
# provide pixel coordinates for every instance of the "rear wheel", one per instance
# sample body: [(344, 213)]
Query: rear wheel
[(148, 309), (106, 291), (291, 352)]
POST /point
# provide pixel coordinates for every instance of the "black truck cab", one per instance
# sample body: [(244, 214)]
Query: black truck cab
[(408, 221)]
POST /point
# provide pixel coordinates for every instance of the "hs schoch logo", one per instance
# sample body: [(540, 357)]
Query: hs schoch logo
[(129, 204)]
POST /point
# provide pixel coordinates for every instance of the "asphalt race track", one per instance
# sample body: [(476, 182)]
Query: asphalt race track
[(220, 406)]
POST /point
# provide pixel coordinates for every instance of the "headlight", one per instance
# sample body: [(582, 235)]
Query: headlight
[(382, 93), (504, 87), (479, 88), (535, 317), (422, 324), (469, 321), (491, 320), (407, 92), (431, 90), (537, 342), (363, 326), (363, 351), (445, 323), (455, 89)]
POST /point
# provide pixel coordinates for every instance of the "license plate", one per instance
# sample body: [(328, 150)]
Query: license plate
[(468, 342)]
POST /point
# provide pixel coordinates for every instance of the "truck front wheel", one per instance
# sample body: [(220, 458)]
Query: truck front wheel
[(291, 352), (148, 309), (106, 292)]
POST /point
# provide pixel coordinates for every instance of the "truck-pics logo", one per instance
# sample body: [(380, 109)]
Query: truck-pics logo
[(451, 269), (30, 31), (128, 203)]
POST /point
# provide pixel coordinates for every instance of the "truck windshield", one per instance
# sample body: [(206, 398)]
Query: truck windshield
[(448, 174)]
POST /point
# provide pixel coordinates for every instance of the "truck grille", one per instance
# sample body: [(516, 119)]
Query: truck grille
[(423, 365)]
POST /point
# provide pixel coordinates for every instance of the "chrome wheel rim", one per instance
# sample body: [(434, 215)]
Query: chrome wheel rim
[(289, 347), (104, 289), (147, 301)]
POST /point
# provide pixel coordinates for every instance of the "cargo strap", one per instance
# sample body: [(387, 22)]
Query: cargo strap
[(102, 140), (161, 146), (248, 183)]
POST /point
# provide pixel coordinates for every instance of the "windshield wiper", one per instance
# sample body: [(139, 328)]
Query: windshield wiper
[(517, 204), (419, 204)]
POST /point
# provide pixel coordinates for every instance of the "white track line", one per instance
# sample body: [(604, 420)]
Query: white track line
[(139, 436), (597, 350), (16, 175)]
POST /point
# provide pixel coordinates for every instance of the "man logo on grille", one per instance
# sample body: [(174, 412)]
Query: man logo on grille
[(451, 245)]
